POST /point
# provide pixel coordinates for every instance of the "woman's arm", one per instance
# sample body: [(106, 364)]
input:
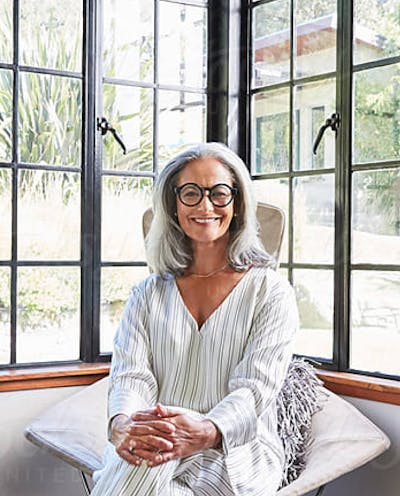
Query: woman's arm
[(258, 377)]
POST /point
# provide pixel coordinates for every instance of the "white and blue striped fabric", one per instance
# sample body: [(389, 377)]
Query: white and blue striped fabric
[(230, 371)]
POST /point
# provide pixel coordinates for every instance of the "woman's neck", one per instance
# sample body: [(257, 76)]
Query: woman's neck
[(208, 257)]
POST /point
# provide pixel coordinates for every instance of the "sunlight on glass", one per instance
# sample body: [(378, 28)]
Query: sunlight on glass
[(116, 284), (314, 218), (124, 201), (375, 321), (5, 315), (6, 111), (6, 31), (128, 39), (315, 28), (182, 122), (183, 45), (314, 294), (376, 29), (49, 215), (270, 132), (130, 111), (313, 104), (48, 309), (275, 192), (376, 114), (271, 43), (51, 34), (5, 214), (50, 124), (376, 217)]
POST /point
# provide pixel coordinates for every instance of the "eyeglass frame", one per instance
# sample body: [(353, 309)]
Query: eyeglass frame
[(203, 189)]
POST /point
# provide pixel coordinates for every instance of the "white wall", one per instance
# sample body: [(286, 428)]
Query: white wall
[(28, 471)]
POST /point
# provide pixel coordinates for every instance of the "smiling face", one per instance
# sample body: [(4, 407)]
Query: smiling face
[(205, 223)]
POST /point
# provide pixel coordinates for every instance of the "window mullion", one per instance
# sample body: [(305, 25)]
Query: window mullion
[(343, 185)]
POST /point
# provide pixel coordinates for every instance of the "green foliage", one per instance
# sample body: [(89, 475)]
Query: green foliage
[(310, 315)]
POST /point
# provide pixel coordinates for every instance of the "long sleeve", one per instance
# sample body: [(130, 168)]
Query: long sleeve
[(258, 377), (132, 382)]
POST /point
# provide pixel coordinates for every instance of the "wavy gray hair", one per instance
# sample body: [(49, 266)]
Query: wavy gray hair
[(169, 250)]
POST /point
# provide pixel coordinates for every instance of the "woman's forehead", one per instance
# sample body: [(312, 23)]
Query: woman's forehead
[(205, 171)]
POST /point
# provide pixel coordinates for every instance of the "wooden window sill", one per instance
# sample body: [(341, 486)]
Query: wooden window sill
[(358, 386)]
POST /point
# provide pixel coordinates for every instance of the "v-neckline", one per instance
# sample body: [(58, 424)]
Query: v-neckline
[(199, 329)]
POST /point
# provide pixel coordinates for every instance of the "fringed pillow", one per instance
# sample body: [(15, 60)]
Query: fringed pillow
[(300, 397)]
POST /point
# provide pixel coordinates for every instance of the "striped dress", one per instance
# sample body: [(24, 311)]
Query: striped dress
[(229, 371)]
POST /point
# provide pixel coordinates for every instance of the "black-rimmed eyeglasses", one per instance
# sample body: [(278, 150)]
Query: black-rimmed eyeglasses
[(191, 194)]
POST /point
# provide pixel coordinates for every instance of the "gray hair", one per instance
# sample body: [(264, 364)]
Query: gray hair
[(168, 249)]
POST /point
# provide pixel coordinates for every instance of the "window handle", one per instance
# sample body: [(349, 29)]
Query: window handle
[(333, 122), (104, 126)]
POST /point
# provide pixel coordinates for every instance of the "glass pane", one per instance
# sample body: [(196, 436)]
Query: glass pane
[(128, 39), (116, 283), (375, 321), (51, 34), (6, 31), (5, 315), (6, 102), (314, 218), (271, 132), (271, 43), (5, 214), (48, 215), (376, 217), (48, 308), (314, 103), (124, 201), (182, 122), (376, 114), (376, 29), (314, 292), (50, 124), (130, 111), (315, 27), (275, 192), (183, 45)]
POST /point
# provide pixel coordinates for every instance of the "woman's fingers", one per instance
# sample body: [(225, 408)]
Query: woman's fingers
[(142, 426), (153, 443)]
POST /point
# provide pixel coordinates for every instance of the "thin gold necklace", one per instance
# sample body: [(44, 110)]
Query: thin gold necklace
[(210, 273)]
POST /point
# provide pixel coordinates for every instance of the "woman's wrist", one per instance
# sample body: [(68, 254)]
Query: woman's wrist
[(213, 437)]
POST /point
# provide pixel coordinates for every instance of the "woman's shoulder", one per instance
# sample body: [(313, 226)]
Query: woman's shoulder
[(270, 282), (152, 283)]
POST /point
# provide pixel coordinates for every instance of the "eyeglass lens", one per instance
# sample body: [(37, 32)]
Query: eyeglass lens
[(192, 194)]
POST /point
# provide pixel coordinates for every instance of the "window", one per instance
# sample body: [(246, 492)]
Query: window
[(342, 243), (70, 200)]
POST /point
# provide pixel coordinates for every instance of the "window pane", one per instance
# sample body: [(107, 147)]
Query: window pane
[(124, 201), (314, 103), (130, 111), (376, 217), (48, 215), (116, 283), (51, 34), (314, 292), (376, 114), (5, 214), (48, 302), (182, 121), (50, 109), (275, 192), (315, 26), (375, 321), (4, 315), (128, 39), (314, 208), (183, 45), (271, 132), (271, 43), (376, 29), (6, 31), (6, 101)]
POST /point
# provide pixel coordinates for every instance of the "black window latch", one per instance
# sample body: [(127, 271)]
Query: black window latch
[(333, 122), (104, 126)]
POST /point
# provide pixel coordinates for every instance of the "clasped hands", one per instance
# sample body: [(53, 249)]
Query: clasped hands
[(160, 434)]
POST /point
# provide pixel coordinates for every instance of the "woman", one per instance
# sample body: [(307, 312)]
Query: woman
[(203, 345)]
